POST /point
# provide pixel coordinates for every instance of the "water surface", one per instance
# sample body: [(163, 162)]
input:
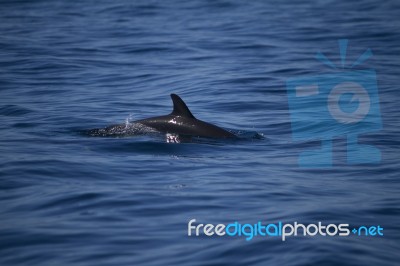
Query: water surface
[(70, 199)]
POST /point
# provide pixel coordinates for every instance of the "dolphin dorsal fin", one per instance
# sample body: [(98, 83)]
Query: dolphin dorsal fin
[(180, 108)]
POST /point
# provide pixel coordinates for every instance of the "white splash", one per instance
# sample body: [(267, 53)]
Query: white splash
[(128, 121), (172, 138)]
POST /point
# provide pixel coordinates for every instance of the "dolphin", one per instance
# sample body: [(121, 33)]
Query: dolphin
[(179, 122)]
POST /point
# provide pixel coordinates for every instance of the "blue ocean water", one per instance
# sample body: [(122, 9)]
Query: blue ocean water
[(70, 199)]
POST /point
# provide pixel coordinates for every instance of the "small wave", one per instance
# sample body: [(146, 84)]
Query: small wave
[(248, 134), (13, 110)]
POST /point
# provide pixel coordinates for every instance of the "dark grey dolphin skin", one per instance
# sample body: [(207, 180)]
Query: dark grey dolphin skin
[(180, 122)]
